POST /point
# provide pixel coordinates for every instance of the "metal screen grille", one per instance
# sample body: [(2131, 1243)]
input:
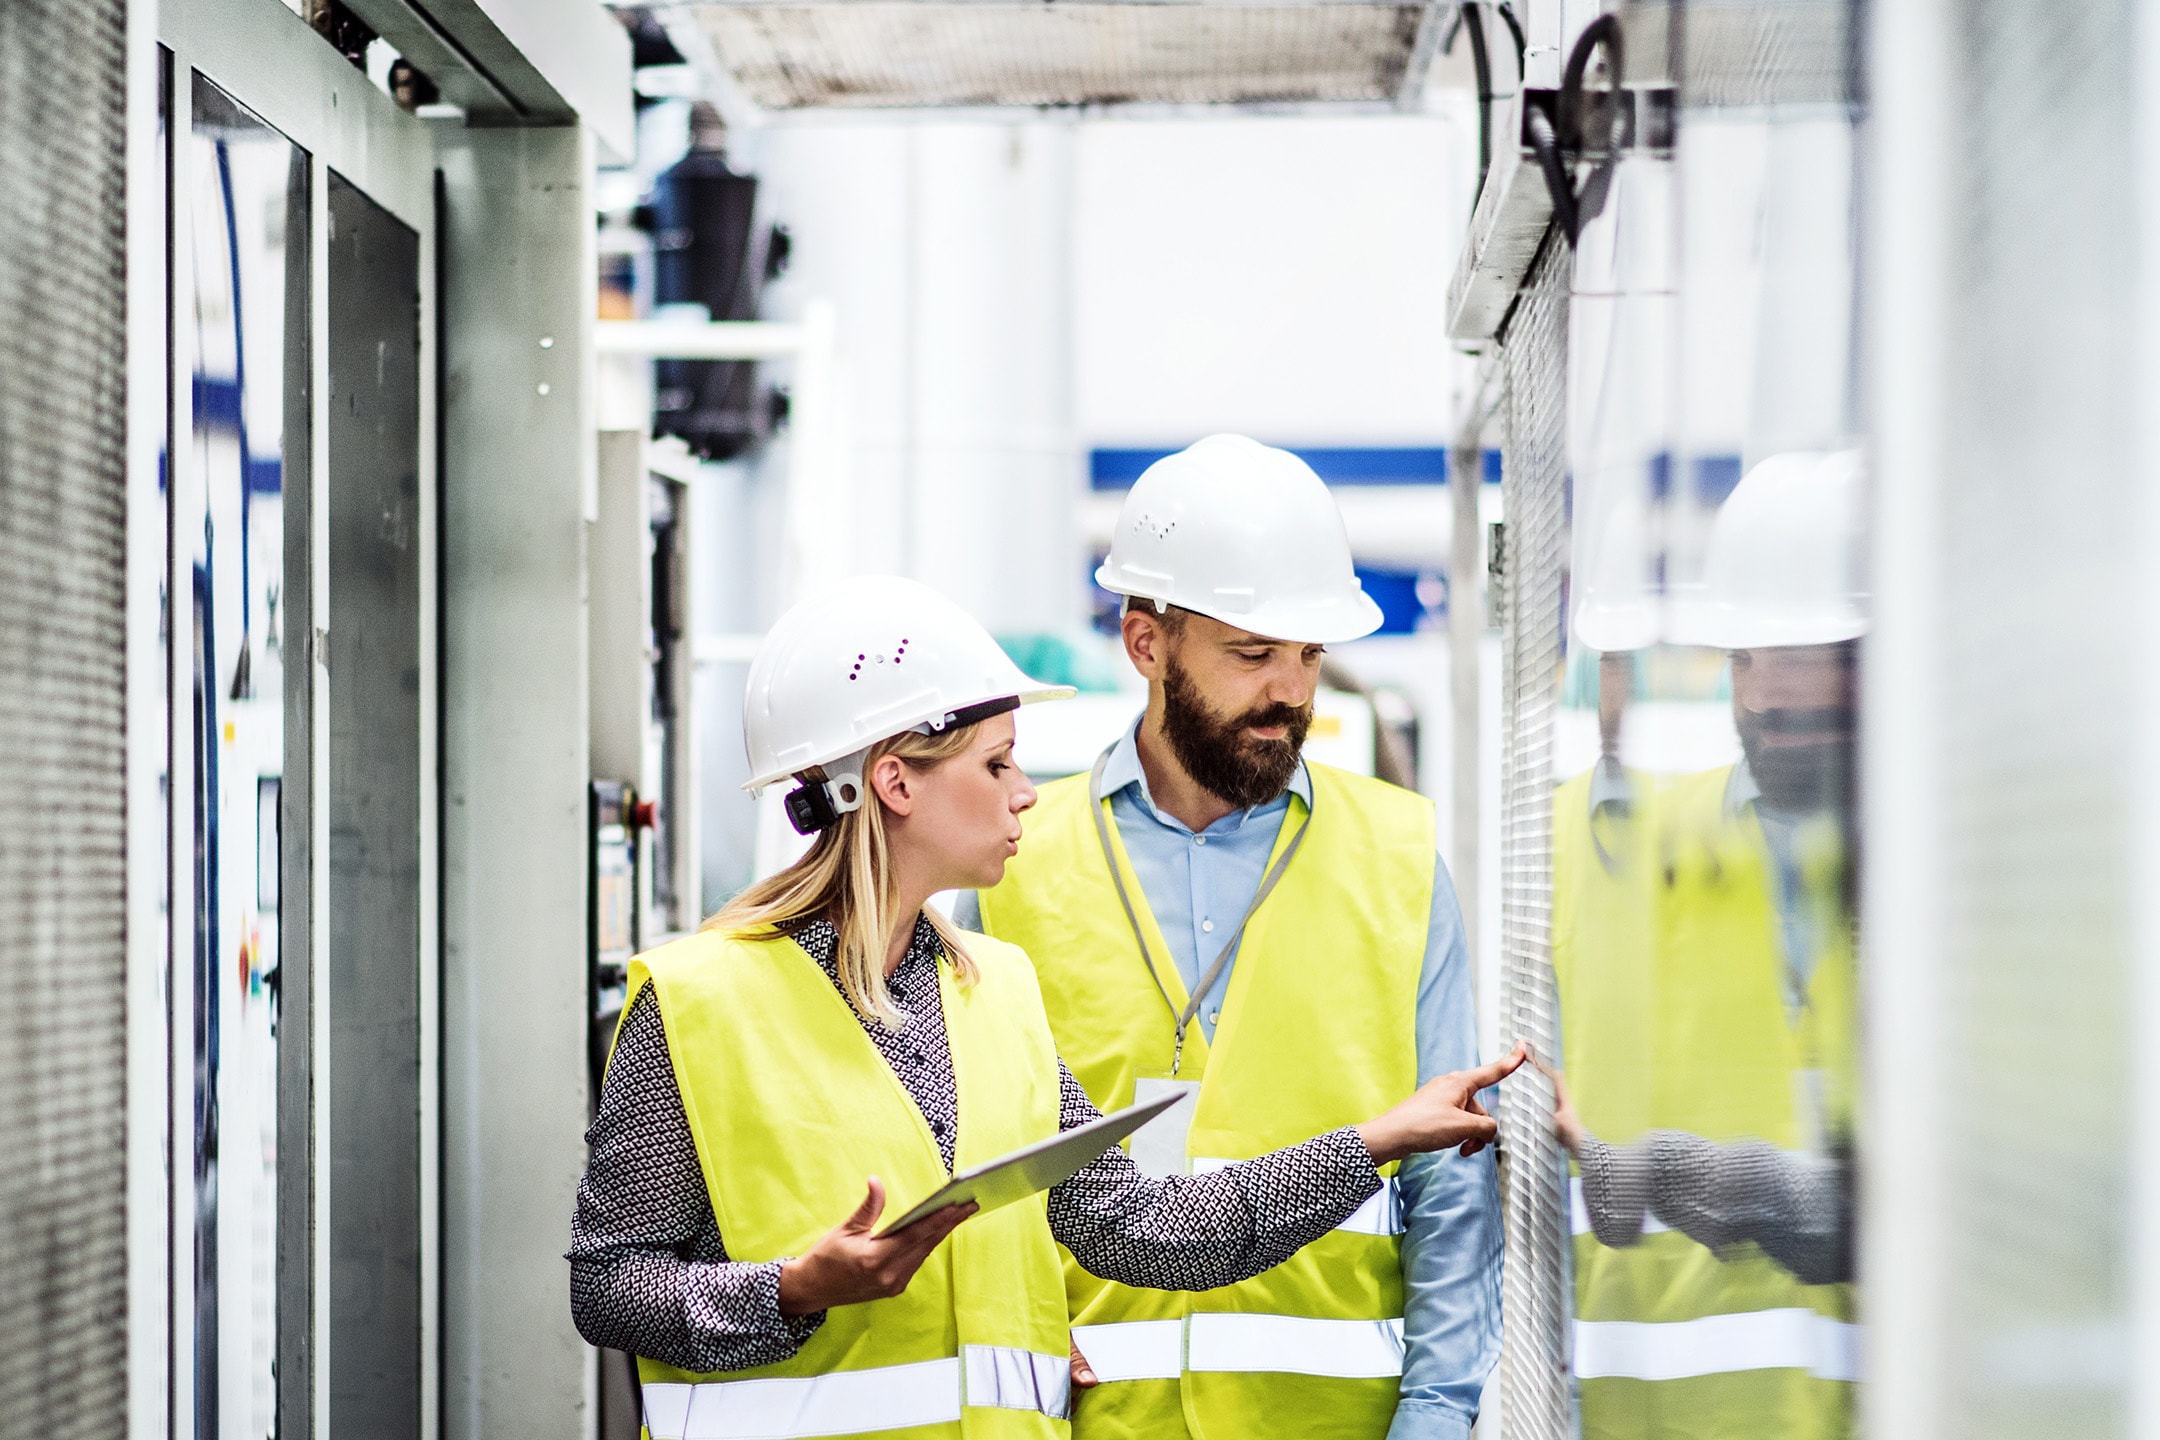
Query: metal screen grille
[(868, 54), (1746, 53), (1536, 1401), (2039, 713), (63, 1251)]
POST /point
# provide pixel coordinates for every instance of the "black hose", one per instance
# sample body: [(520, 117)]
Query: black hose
[(1522, 48), (1482, 64), (1558, 139)]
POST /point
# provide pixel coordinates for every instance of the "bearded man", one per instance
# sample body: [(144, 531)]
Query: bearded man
[(1209, 912)]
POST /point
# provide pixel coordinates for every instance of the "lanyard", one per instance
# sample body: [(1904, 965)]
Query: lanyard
[(1181, 1019)]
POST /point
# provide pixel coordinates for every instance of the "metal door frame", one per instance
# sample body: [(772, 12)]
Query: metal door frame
[(264, 56)]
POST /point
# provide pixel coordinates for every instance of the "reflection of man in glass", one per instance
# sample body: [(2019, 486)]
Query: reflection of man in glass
[(1707, 988)]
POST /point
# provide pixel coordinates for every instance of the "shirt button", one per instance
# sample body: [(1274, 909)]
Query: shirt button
[(1214, 1017), (937, 1127), (1208, 926), (1199, 839)]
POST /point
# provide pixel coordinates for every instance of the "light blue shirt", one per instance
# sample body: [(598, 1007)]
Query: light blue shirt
[(1198, 886)]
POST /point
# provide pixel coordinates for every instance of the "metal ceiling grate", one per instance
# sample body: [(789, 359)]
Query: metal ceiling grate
[(1746, 53), (876, 54)]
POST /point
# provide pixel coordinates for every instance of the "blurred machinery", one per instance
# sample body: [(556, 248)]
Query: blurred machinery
[(712, 259), (640, 656)]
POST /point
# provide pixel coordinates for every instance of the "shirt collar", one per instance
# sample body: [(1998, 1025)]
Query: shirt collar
[(1741, 790), (820, 940), (1610, 785), (1125, 771)]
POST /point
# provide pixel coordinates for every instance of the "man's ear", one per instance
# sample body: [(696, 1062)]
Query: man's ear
[(888, 780), (1147, 640)]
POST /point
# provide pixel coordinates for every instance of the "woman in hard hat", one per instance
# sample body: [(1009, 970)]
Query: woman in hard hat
[(828, 1047)]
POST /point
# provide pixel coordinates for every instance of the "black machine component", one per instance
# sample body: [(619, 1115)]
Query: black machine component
[(708, 251)]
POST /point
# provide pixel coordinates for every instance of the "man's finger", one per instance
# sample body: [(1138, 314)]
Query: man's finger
[(1471, 1105), (1497, 1071), (1083, 1375)]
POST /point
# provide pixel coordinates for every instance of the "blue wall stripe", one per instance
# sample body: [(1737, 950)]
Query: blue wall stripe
[(1116, 469)]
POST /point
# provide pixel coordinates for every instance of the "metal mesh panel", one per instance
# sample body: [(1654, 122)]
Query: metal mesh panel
[(63, 337), (2039, 709), (870, 54), (1535, 1393), (1748, 52)]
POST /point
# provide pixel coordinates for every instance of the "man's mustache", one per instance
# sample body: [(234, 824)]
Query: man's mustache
[(1277, 714), (1792, 720)]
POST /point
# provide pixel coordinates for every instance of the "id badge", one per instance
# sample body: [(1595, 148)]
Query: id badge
[(1158, 1147)]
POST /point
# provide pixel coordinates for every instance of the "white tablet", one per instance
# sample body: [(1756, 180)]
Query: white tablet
[(1038, 1166)]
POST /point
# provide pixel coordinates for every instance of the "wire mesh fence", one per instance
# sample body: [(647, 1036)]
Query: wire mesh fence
[(1536, 1395), (63, 1251)]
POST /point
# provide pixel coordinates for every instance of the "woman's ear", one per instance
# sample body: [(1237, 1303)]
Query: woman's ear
[(888, 780)]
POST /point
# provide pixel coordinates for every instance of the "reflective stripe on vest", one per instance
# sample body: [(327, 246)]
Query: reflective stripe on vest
[(855, 1402), (1227, 1343), (1379, 1215), (1790, 1339)]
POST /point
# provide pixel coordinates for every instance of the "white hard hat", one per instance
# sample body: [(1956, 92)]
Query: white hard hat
[(1246, 534), (863, 662), (1785, 560), (1616, 607)]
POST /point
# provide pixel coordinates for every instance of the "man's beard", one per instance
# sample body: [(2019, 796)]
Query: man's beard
[(1241, 769), (1815, 776)]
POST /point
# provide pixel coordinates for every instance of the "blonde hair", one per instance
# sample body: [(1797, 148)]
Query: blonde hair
[(846, 877)]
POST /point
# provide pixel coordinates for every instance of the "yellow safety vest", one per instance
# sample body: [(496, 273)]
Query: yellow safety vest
[(793, 1109), (1674, 1017), (1318, 1031)]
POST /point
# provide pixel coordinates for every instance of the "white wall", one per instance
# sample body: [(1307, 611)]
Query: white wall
[(944, 248), (1278, 275)]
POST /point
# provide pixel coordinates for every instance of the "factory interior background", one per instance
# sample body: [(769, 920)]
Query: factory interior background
[(414, 414)]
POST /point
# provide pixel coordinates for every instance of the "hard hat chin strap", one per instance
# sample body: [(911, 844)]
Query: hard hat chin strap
[(968, 715)]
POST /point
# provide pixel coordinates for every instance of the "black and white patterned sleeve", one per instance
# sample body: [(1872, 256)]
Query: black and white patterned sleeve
[(1797, 1207), (649, 1273), (1200, 1231)]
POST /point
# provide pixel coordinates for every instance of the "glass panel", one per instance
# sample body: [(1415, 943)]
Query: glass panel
[(1705, 824), (246, 208)]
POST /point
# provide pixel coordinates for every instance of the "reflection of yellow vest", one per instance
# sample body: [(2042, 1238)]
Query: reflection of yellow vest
[(793, 1109), (1318, 1031), (1670, 975)]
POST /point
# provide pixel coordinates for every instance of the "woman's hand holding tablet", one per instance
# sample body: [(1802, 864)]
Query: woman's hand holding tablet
[(851, 1264)]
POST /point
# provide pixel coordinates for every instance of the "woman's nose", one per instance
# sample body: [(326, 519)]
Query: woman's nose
[(1023, 799)]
